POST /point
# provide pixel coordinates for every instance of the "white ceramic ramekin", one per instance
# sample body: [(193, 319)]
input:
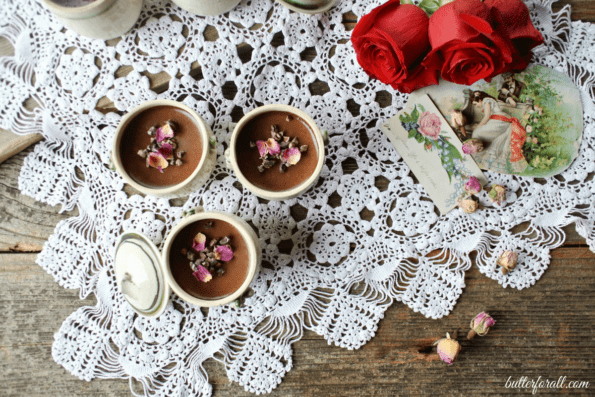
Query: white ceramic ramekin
[(193, 182), (308, 6), (254, 254), (207, 7), (102, 19), (232, 162), (144, 277)]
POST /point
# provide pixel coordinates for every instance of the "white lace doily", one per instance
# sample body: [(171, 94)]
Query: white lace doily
[(405, 253)]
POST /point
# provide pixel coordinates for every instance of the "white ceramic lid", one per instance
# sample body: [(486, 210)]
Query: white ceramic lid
[(139, 274)]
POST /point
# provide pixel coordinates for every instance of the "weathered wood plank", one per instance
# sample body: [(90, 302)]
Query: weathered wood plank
[(543, 331), (25, 224)]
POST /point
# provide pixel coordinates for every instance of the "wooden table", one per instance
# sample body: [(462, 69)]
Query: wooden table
[(546, 330)]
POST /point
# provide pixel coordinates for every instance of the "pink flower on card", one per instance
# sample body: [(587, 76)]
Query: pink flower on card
[(429, 125)]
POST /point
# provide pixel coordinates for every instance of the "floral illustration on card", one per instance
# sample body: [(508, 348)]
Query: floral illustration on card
[(426, 128)]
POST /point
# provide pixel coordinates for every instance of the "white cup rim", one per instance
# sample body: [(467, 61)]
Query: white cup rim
[(82, 11), (240, 225), (122, 127), (296, 190)]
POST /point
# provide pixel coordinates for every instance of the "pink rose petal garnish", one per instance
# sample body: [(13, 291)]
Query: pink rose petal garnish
[(292, 155), (202, 274), (226, 253), (164, 132), (157, 160), (199, 242), (167, 151), (273, 146), (263, 148)]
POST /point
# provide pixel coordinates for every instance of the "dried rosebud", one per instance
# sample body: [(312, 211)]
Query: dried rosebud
[(202, 274), (263, 148), (472, 146), (480, 325), (198, 243), (468, 205), (292, 156), (157, 160), (497, 194), (225, 252), (164, 132), (448, 349), (473, 186), (142, 153), (508, 260)]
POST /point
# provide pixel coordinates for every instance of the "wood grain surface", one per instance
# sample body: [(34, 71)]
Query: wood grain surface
[(546, 330)]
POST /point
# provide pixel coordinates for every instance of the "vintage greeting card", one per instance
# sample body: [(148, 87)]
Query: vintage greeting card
[(530, 123), (433, 152)]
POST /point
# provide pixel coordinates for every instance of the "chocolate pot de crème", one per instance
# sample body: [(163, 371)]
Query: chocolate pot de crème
[(136, 139), (274, 178), (220, 285)]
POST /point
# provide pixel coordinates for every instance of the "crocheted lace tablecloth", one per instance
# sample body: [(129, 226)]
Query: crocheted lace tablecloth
[(406, 253)]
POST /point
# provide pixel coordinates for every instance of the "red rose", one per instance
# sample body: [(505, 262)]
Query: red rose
[(391, 42), (518, 26), (468, 43)]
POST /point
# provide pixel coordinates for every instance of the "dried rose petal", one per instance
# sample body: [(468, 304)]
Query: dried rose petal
[(164, 132), (157, 160), (468, 205), (263, 148), (273, 147), (167, 151), (292, 155), (202, 274), (226, 253), (199, 242)]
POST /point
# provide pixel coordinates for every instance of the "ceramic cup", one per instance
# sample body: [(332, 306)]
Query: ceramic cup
[(101, 19), (308, 6), (207, 7), (318, 138), (249, 237), (195, 180), (143, 273)]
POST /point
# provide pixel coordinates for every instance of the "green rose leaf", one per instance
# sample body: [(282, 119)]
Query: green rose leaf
[(404, 118), (419, 138), (412, 133), (414, 114), (430, 6)]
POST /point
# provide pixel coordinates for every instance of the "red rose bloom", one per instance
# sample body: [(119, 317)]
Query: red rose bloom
[(468, 43), (519, 28), (391, 42)]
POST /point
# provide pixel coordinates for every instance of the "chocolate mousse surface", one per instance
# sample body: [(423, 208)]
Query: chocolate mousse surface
[(135, 138), (236, 270), (259, 128)]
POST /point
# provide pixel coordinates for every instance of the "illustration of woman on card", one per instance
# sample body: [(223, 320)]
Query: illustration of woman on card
[(503, 137)]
